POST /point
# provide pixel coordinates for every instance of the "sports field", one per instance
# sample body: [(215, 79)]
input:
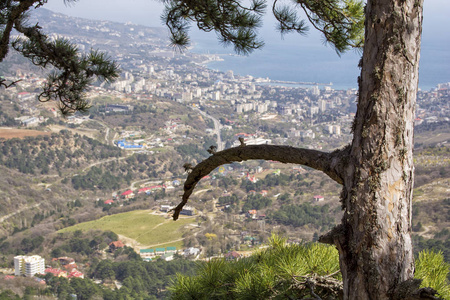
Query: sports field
[(141, 226)]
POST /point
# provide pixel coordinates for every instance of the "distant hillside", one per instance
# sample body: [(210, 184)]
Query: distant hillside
[(50, 154), (96, 29)]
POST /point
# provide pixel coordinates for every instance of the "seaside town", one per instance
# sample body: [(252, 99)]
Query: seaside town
[(152, 71), (235, 108)]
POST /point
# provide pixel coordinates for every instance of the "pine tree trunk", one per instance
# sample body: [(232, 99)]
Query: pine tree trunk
[(375, 249)]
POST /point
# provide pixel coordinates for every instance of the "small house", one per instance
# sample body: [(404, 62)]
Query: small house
[(147, 252), (165, 208), (76, 273), (187, 211), (115, 245), (318, 198), (167, 256), (160, 251), (56, 272), (171, 250), (128, 194), (191, 251)]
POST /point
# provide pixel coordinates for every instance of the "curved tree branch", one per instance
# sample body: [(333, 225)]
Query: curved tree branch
[(331, 164)]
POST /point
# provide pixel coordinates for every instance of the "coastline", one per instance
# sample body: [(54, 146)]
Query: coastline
[(218, 62)]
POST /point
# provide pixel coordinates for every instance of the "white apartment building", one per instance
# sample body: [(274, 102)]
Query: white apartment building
[(216, 96), (262, 107), (244, 107), (322, 105), (29, 265)]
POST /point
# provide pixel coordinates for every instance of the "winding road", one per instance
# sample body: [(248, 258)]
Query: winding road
[(217, 128), (2, 219)]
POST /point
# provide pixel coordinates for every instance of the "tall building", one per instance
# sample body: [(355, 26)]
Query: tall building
[(337, 129), (29, 265), (315, 90), (216, 96), (322, 105)]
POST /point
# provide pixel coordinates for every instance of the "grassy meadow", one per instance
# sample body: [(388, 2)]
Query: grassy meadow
[(147, 229)]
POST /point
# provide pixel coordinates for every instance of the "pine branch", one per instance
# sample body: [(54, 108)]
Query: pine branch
[(341, 22), (330, 163), (234, 23), (7, 85), (10, 14), (73, 71)]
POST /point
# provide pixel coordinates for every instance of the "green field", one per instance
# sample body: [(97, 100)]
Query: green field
[(140, 225)]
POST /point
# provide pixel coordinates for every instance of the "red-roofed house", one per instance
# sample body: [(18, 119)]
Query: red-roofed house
[(115, 245), (109, 202), (318, 198), (22, 95), (56, 272), (71, 267), (151, 189), (76, 273), (242, 134), (128, 194), (251, 178), (418, 121), (143, 190)]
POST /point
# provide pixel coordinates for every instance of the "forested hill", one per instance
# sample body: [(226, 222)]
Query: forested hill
[(53, 154), (76, 162)]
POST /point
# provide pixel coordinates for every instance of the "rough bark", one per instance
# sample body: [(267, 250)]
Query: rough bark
[(374, 239)]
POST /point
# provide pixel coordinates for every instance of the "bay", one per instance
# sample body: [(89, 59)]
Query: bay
[(297, 59)]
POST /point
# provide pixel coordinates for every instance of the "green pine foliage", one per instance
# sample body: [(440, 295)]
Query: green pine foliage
[(278, 272), (256, 202), (236, 22), (433, 270), (289, 271)]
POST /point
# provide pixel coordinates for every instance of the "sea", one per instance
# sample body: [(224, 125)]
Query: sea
[(297, 58)]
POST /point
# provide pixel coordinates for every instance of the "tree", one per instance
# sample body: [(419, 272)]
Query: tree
[(376, 169), (72, 73), (287, 271)]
